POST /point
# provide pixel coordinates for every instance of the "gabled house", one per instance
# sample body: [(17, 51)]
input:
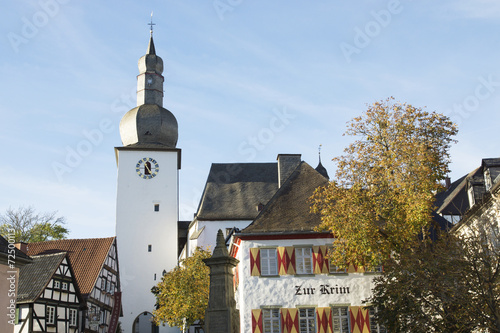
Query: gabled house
[(465, 196), (234, 194), (95, 265), (48, 298), (482, 187), (284, 283)]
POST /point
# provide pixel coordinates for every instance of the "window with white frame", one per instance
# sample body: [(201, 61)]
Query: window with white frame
[(64, 286), (374, 326), (307, 320), (268, 262), (271, 320), (73, 316), (303, 260), (57, 284), (50, 316), (340, 319)]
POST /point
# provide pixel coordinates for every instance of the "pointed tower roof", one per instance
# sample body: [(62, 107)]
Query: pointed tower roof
[(151, 46), (320, 168), (149, 125)]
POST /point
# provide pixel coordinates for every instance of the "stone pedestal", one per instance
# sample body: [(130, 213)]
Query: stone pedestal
[(221, 315)]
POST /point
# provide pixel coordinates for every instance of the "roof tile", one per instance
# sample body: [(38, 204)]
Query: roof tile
[(87, 256)]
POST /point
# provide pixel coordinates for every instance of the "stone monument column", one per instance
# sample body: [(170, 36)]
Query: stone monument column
[(221, 315)]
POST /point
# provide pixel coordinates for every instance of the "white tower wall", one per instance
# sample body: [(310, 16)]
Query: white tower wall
[(139, 226)]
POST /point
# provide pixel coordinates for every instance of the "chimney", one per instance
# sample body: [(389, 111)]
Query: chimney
[(287, 163), (22, 246), (447, 182)]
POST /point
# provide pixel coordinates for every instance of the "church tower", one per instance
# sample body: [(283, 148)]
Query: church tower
[(147, 196)]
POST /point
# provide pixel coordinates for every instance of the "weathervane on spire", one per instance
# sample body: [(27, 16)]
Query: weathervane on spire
[(151, 24), (319, 152)]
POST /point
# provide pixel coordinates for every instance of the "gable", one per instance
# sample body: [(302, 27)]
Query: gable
[(290, 208), (234, 190), (87, 257), (35, 277)]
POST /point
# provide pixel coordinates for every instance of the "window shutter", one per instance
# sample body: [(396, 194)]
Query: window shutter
[(320, 264), (283, 315), (255, 261), (324, 320), (257, 321), (290, 320), (360, 321), (351, 268), (286, 260)]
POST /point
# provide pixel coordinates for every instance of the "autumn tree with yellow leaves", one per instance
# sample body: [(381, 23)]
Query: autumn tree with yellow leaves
[(182, 294), (382, 195)]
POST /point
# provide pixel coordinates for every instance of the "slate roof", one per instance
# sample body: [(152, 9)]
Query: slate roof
[(289, 209), (20, 256), (234, 190), (454, 200), (87, 256), (34, 278)]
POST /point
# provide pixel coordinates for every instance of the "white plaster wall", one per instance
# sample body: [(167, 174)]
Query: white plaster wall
[(254, 291), (138, 225), (23, 311), (486, 220), (209, 235)]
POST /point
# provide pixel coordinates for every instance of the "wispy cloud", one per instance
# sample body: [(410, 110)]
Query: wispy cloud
[(478, 9)]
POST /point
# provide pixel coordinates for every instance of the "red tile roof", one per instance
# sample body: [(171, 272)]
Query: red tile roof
[(87, 256)]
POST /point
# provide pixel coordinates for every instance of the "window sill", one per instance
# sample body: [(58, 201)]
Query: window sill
[(270, 276)]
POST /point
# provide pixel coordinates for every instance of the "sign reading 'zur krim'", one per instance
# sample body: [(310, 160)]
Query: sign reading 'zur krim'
[(324, 289)]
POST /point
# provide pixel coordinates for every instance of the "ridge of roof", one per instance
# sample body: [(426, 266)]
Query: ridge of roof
[(289, 208), (87, 257)]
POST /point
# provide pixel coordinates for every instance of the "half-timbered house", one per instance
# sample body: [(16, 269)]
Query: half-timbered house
[(48, 298), (95, 263)]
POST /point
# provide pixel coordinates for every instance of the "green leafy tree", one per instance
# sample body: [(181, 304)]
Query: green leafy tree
[(29, 226), (451, 285), (182, 294), (382, 195)]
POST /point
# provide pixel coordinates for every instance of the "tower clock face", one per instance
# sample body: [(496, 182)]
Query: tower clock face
[(147, 168)]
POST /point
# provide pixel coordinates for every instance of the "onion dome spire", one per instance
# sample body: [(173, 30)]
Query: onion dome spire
[(149, 123)]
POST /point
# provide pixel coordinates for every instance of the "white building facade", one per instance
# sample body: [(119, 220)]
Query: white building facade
[(286, 285), (284, 281)]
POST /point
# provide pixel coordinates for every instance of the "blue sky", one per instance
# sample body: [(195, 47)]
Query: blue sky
[(246, 80)]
